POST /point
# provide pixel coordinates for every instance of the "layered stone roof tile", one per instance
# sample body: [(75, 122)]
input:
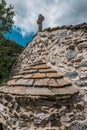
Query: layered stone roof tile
[(39, 80)]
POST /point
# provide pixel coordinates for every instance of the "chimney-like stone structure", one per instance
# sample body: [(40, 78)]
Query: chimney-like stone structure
[(39, 22)]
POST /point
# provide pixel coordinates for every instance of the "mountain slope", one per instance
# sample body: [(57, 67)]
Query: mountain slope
[(9, 51)]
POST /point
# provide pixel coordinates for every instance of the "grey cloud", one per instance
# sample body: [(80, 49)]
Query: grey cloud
[(56, 12), (76, 12)]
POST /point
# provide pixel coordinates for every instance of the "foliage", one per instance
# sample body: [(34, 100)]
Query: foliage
[(9, 51), (6, 17)]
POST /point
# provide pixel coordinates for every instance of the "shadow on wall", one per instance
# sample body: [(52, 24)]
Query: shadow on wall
[(1, 126)]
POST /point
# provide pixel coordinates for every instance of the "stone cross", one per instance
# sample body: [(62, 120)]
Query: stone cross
[(39, 22)]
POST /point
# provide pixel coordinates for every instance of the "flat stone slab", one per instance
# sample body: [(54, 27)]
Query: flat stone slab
[(54, 75), (63, 82), (24, 82), (66, 91), (39, 92), (5, 89), (43, 82), (39, 75), (18, 90), (35, 91), (49, 70)]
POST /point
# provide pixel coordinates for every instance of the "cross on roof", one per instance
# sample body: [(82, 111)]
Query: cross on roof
[(39, 22)]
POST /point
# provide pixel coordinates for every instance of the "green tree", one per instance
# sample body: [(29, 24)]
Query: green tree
[(6, 17)]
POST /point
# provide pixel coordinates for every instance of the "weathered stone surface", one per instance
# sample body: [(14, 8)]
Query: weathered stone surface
[(82, 64), (72, 74), (64, 34), (80, 117), (23, 82), (65, 119), (66, 90), (54, 75), (42, 116), (63, 82), (83, 75), (39, 92), (78, 126), (70, 54), (48, 101), (18, 90), (41, 82), (82, 45), (82, 82)]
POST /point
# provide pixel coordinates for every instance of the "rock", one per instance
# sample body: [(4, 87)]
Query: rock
[(69, 42), (80, 117), (70, 55), (80, 97), (78, 59), (63, 34), (82, 45), (65, 119), (82, 64), (41, 116), (72, 74), (23, 124), (84, 125), (75, 126), (1, 107), (83, 76), (81, 82), (16, 107)]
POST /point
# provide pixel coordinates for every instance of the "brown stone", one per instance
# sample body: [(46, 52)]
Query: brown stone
[(11, 82), (17, 76), (18, 90), (24, 82), (39, 92), (5, 89), (39, 76), (28, 76), (54, 75), (41, 82), (70, 90), (49, 70), (63, 82), (53, 83)]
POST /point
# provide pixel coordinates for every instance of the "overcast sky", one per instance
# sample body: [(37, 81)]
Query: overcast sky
[(56, 13)]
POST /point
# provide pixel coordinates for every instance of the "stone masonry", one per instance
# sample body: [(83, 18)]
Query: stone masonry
[(53, 96)]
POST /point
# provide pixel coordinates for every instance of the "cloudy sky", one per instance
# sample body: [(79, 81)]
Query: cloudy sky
[(56, 13)]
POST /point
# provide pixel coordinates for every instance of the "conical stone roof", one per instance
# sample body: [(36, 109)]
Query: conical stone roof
[(39, 79)]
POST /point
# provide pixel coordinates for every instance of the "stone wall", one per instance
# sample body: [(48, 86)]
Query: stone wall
[(40, 113), (65, 48)]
